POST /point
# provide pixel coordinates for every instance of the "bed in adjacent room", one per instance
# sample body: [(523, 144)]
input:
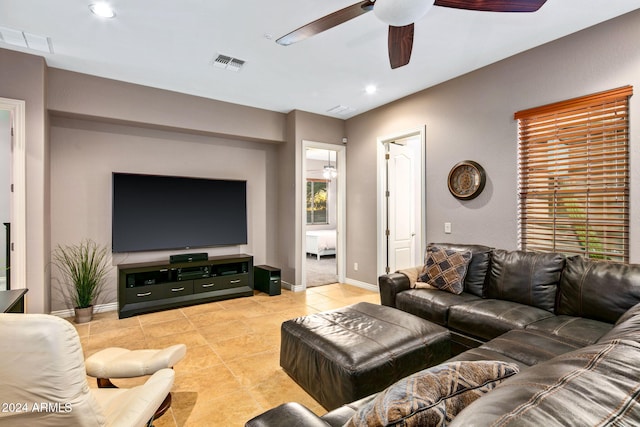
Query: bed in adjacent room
[(321, 242)]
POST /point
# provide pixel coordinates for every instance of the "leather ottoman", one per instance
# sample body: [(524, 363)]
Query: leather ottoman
[(342, 355)]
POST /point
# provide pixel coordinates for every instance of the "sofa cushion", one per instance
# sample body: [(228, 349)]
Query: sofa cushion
[(489, 318), (529, 278), (580, 330), (521, 346), (431, 304), (340, 416), (287, 414), (445, 269), (529, 347), (594, 385), (474, 281), (481, 353), (598, 290), (434, 396), (627, 327)]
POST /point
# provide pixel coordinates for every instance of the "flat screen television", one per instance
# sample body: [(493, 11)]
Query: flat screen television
[(154, 212)]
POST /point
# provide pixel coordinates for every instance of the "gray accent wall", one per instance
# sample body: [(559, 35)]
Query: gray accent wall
[(84, 153), (23, 77), (471, 117)]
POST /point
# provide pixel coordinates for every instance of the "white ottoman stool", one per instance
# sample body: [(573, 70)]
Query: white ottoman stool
[(118, 362)]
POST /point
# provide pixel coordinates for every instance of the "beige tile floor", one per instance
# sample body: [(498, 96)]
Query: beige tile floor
[(231, 371)]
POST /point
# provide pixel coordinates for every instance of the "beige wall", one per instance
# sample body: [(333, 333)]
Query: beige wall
[(84, 95), (23, 77), (301, 126), (84, 153), (471, 117)]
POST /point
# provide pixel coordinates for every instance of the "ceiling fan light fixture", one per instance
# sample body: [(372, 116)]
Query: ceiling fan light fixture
[(399, 13)]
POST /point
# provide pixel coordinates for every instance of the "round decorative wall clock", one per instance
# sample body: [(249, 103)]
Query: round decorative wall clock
[(466, 180)]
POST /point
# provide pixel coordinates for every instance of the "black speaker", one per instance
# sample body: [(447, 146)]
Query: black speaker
[(200, 256), (267, 279)]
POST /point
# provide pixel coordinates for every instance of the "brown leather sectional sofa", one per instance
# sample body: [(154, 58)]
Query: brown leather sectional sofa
[(571, 325)]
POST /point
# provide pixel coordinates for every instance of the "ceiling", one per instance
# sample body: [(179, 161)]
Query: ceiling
[(172, 44)]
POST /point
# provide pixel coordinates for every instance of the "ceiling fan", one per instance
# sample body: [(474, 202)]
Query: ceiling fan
[(400, 15)]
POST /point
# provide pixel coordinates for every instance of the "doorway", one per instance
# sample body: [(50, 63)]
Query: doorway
[(322, 223), (5, 197), (13, 194), (401, 201)]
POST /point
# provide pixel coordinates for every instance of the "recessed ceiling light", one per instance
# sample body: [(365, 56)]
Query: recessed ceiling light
[(371, 89), (102, 9)]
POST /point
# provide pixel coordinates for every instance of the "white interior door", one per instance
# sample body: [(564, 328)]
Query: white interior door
[(402, 201), (401, 206)]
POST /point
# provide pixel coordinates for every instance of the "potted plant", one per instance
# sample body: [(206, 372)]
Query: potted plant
[(83, 268)]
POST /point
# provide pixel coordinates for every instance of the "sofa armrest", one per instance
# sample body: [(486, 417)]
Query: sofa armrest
[(287, 415), (390, 285)]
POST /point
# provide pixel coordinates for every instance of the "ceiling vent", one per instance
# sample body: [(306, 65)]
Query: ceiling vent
[(341, 110), (228, 63), (26, 40)]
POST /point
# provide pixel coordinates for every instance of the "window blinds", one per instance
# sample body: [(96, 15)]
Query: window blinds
[(574, 176)]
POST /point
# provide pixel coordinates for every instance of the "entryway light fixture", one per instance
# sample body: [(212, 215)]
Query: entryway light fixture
[(102, 9), (401, 12), (329, 171)]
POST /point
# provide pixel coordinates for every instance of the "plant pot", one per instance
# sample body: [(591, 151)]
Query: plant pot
[(84, 315)]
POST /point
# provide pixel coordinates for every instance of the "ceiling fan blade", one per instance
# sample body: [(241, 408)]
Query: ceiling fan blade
[(493, 5), (400, 45), (332, 20)]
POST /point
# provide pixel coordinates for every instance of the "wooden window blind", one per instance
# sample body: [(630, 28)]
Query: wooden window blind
[(573, 176)]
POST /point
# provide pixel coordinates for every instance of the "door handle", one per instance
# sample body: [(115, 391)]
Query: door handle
[(146, 294), (177, 289)]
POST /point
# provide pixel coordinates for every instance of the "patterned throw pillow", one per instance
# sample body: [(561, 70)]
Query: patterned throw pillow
[(445, 269), (434, 396)]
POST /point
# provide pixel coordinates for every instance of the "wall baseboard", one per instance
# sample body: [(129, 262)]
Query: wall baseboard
[(113, 306), (292, 287), (363, 285), (356, 283), (100, 308)]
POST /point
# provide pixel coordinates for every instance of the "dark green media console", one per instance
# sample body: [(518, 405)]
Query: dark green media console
[(154, 286)]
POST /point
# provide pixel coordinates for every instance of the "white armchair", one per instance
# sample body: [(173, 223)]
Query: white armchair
[(43, 380)]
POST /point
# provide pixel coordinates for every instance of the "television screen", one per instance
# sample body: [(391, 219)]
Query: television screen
[(152, 212)]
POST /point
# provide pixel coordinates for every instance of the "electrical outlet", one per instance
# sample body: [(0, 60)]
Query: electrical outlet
[(355, 266), (447, 228)]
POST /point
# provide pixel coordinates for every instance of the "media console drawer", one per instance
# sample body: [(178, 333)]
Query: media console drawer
[(220, 282), (162, 288), (162, 291)]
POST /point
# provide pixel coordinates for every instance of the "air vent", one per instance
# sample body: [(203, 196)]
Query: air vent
[(26, 40), (341, 110), (228, 63)]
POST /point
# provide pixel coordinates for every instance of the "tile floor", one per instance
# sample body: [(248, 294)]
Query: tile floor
[(231, 371)]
